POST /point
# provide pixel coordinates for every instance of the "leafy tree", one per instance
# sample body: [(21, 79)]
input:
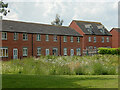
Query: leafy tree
[(57, 21), (3, 9)]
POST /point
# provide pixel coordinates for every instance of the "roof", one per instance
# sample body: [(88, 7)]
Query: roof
[(117, 29), (94, 25), (18, 26)]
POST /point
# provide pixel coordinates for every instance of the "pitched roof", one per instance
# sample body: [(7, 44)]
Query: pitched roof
[(94, 25), (117, 29), (17, 26)]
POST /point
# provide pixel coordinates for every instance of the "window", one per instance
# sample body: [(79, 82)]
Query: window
[(102, 39), (25, 51), (89, 39), (71, 38), (47, 38), (78, 39), (107, 39), (4, 35), (89, 28), (47, 52), (95, 47), (78, 51), (65, 38), (55, 51), (38, 51), (38, 37), (101, 29), (55, 38), (25, 36), (65, 51), (15, 36), (94, 39), (3, 52)]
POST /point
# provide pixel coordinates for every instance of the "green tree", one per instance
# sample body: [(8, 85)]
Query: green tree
[(57, 21), (3, 9)]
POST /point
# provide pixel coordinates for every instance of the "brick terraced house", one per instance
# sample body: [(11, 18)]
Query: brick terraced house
[(115, 37), (94, 34), (23, 39)]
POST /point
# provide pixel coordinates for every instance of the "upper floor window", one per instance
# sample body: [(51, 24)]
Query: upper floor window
[(25, 51), (55, 38), (107, 39), (89, 39), (38, 51), (65, 38), (38, 37), (25, 36), (15, 36), (94, 39), (4, 35), (47, 37), (78, 39), (71, 38), (102, 39), (3, 52)]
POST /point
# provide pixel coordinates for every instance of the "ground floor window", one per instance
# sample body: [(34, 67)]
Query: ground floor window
[(78, 51), (38, 51), (3, 52), (25, 51), (55, 51), (72, 52), (47, 52)]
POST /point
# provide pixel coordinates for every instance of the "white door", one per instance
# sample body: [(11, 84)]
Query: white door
[(72, 52), (47, 52), (15, 53)]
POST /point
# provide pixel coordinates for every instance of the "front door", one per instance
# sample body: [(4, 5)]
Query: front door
[(72, 52), (15, 53)]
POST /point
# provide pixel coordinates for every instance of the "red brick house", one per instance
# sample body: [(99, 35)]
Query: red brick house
[(94, 34), (115, 37), (23, 39)]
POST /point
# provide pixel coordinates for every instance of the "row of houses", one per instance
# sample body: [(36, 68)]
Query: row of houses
[(25, 39)]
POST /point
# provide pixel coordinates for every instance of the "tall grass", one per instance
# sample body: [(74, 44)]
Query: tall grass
[(63, 65)]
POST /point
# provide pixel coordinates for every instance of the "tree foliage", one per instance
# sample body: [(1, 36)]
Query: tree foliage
[(57, 21), (4, 8)]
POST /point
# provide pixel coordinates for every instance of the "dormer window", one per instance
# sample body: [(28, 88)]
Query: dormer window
[(89, 28), (101, 29)]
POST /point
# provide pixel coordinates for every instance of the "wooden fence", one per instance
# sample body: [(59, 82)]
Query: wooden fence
[(90, 52)]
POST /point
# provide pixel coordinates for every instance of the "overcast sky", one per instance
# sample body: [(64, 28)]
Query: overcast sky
[(44, 12)]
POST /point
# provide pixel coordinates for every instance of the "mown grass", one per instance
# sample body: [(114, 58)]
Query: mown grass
[(59, 81), (63, 65)]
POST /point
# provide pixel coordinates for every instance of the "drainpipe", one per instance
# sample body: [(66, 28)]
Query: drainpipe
[(32, 44), (60, 45)]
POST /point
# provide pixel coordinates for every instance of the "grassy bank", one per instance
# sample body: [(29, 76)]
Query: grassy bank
[(59, 81), (63, 65)]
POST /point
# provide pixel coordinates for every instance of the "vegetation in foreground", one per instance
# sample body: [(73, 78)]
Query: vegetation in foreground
[(60, 81), (63, 65)]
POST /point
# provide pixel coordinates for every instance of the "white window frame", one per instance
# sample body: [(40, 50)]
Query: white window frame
[(6, 50), (38, 37), (55, 38), (25, 36), (102, 39), (89, 39), (25, 51), (107, 39), (71, 39), (78, 39), (38, 51), (65, 51), (4, 35), (95, 39), (72, 52), (15, 36), (78, 51), (47, 37), (65, 38)]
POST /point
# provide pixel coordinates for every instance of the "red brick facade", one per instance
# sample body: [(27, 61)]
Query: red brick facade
[(115, 38), (31, 44)]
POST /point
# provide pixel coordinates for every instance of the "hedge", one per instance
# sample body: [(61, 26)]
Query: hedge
[(109, 51)]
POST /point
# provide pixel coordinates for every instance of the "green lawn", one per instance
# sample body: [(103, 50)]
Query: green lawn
[(59, 81)]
